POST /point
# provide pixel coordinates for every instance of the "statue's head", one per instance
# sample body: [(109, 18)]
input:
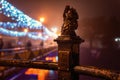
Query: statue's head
[(67, 7)]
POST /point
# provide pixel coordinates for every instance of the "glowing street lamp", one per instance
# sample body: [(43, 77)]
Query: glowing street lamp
[(42, 19), (26, 30)]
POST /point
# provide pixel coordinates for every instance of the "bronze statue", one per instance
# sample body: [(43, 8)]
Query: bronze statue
[(70, 23)]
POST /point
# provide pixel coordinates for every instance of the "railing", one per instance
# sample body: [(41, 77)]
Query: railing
[(11, 52), (91, 71), (67, 68), (21, 55)]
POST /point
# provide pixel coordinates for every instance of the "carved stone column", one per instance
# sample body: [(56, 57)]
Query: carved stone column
[(68, 46), (68, 53)]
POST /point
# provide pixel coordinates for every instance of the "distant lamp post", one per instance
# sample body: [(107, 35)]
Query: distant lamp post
[(26, 30), (42, 19)]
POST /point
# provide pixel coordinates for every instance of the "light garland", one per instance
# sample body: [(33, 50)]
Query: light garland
[(22, 21), (32, 35), (14, 25), (17, 15)]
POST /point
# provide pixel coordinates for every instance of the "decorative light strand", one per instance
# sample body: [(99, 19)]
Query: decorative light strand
[(13, 25), (17, 15), (22, 34), (22, 21)]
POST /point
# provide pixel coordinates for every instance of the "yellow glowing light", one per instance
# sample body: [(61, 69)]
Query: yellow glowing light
[(41, 73), (42, 19), (25, 30), (53, 59)]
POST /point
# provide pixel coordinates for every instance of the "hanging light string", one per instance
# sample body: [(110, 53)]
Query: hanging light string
[(22, 21)]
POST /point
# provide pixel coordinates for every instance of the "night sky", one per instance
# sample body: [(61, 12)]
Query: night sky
[(52, 10)]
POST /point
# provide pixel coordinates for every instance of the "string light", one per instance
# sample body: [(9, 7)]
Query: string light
[(22, 21), (32, 35), (10, 11)]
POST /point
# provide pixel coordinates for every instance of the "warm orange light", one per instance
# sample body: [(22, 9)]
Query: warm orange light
[(53, 59), (42, 19), (25, 30), (41, 73)]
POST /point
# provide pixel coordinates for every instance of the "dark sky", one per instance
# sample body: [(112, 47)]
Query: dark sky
[(52, 10)]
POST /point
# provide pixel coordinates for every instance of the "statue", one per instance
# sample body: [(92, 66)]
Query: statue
[(70, 23)]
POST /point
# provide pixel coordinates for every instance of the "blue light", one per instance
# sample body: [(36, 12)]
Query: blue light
[(22, 21), (32, 35), (19, 16)]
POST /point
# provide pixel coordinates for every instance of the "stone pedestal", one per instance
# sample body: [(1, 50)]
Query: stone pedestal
[(68, 53)]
